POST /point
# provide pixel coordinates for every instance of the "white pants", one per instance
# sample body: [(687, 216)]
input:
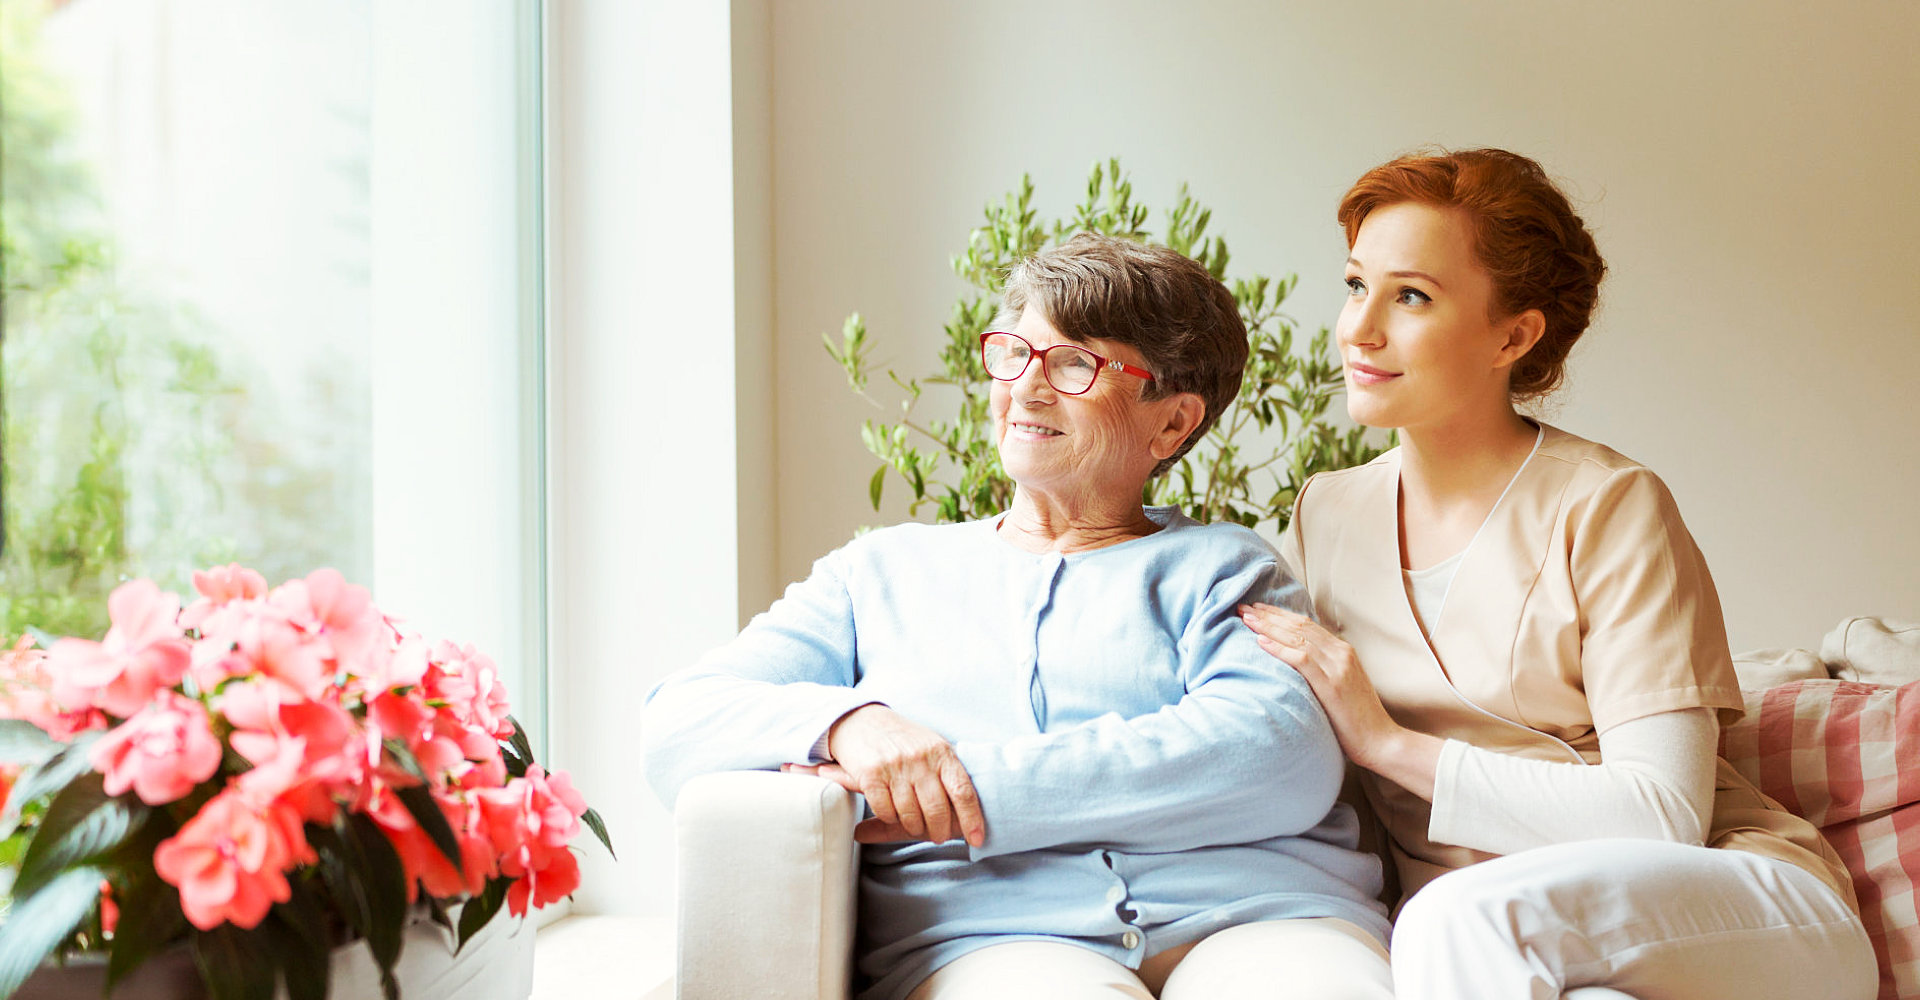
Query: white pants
[(1635, 919), (1317, 959)]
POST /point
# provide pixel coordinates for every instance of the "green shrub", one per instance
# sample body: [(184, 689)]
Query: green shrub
[(1247, 469)]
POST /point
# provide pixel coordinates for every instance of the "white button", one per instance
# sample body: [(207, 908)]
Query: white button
[(1116, 894), (1131, 939)]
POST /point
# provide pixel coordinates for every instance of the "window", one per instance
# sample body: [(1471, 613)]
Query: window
[(273, 295)]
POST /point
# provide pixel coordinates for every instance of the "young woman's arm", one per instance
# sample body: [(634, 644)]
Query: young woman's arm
[(1655, 781)]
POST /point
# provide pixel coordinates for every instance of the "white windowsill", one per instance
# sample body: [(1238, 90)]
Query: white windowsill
[(615, 958)]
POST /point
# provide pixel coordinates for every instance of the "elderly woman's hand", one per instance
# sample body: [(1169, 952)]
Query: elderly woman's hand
[(1367, 734), (913, 781)]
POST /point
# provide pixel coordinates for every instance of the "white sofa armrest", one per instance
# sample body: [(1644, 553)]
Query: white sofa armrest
[(766, 865)]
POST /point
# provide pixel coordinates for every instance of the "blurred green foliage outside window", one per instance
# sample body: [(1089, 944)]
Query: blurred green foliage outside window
[(143, 437)]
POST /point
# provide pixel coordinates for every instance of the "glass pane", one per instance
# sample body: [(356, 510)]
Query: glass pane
[(272, 296), (186, 354)]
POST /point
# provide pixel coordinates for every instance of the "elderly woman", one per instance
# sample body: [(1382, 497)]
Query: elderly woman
[(1144, 800)]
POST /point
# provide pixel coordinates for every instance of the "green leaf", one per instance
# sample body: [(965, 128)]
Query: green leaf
[(150, 919), (599, 828), (368, 885), (23, 743), (403, 756), (521, 744), (297, 931), (82, 824), (476, 912), (235, 964), (426, 812), (338, 856), (516, 766), (56, 773), (39, 922), (384, 882), (437, 911), (878, 481)]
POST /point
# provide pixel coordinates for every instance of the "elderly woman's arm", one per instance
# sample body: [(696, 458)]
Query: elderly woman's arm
[(1246, 755), (762, 699)]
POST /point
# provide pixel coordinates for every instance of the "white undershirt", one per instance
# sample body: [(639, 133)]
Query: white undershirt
[(1427, 588)]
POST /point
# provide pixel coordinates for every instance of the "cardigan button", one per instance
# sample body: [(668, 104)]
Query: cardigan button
[(1131, 939)]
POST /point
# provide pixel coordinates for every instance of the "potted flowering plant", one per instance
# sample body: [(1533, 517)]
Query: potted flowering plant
[(263, 775)]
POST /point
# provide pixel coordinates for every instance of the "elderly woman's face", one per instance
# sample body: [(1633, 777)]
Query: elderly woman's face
[(1101, 441)]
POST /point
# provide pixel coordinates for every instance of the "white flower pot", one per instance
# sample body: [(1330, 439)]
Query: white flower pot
[(497, 964)]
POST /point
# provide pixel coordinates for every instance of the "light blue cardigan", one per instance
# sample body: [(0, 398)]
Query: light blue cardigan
[(1148, 774)]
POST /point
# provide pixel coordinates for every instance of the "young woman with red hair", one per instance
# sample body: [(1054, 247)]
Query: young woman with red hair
[(1520, 644)]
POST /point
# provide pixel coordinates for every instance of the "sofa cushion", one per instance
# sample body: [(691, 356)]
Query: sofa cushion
[(1765, 668), (1846, 756), (1873, 651)]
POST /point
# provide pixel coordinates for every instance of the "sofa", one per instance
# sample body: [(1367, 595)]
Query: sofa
[(766, 862)]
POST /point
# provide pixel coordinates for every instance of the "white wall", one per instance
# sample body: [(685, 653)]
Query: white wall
[(649, 500), (450, 459), (1748, 168)]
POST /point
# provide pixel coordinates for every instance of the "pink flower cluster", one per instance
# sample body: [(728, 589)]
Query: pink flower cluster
[(307, 683)]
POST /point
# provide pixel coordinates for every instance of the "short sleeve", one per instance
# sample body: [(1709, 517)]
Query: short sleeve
[(1652, 636), (1293, 549), (1293, 546)]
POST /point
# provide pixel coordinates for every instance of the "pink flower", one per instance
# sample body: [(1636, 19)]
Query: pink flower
[(308, 754), (109, 912), (425, 864), (546, 885), (446, 748), (530, 821), (316, 690), (254, 702), (440, 758), (404, 717), (219, 586), (230, 860), (142, 653), (268, 646), (26, 693), (469, 683), (398, 667), (161, 753), (215, 656), (558, 808), (339, 614)]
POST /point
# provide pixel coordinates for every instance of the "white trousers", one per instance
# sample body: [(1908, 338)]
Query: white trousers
[(1632, 919), (1315, 959)]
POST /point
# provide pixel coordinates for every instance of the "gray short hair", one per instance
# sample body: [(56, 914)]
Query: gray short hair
[(1161, 302)]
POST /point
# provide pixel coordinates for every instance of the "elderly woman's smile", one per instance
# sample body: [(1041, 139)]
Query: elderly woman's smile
[(1037, 430)]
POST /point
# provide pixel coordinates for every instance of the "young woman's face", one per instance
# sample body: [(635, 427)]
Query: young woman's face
[(1417, 336)]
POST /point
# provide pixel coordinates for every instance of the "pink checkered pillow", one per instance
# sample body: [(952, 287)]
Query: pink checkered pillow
[(1847, 756)]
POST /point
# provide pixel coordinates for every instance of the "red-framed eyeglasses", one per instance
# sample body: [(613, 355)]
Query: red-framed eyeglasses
[(1070, 369)]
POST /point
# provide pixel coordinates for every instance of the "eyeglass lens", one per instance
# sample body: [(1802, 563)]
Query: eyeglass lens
[(1069, 369)]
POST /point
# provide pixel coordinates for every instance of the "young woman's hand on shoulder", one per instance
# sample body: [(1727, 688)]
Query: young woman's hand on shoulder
[(1367, 734)]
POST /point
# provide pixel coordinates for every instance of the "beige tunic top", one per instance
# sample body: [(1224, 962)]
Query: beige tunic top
[(1582, 603)]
